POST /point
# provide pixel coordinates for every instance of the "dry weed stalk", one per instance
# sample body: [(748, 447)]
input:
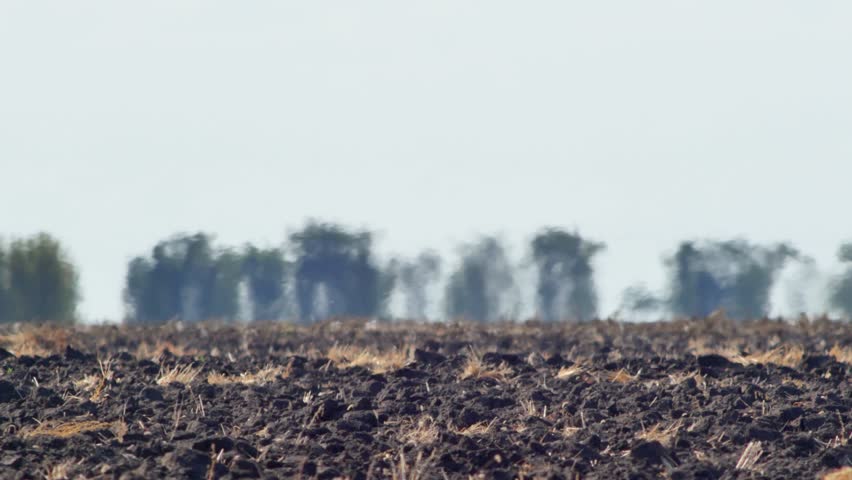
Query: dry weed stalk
[(97, 383), (750, 456), (348, 356), (178, 374), (60, 471), (401, 471), (263, 376)]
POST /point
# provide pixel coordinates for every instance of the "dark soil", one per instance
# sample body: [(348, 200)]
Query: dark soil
[(603, 400)]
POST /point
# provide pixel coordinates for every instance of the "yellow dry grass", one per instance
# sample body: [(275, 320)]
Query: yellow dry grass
[(96, 384), (41, 341), (154, 351), (70, 429), (178, 374), (842, 354), (347, 356), (568, 372), (844, 473), (422, 432), (783, 355), (622, 376), (663, 433), (267, 374), (475, 368), (750, 456), (477, 429)]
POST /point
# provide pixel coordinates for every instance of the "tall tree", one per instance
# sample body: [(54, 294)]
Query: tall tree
[(566, 287), (185, 278), (734, 275), (483, 287), (337, 262)]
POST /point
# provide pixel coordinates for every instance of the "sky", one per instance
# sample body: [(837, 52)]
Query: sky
[(640, 124)]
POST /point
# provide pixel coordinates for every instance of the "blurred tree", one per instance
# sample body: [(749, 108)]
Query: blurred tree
[(37, 281), (566, 286), (186, 279), (734, 275), (483, 287), (266, 271), (5, 306), (840, 295), (638, 301), (414, 277), (337, 262)]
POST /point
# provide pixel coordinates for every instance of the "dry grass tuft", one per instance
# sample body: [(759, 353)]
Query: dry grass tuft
[(662, 433), (844, 473), (475, 368), (784, 355), (477, 429), (572, 371), (97, 384), (41, 341), (622, 376), (155, 351), (70, 429), (178, 374), (842, 354), (348, 356), (422, 432), (263, 376), (750, 456)]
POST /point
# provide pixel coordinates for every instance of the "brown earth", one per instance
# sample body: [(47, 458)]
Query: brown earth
[(680, 400)]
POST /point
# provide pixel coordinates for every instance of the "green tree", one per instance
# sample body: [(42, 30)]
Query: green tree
[(566, 287), (38, 282), (483, 286)]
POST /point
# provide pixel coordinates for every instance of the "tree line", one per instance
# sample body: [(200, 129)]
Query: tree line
[(328, 270)]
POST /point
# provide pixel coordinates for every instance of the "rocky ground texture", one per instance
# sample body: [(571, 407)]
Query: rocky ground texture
[(363, 400)]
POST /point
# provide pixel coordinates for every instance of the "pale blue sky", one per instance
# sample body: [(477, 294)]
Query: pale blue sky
[(641, 123)]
